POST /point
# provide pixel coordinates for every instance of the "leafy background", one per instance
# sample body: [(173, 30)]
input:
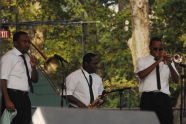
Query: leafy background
[(107, 37)]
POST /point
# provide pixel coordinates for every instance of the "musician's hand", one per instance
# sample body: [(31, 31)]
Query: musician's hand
[(82, 105), (167, 60), (33, 61), (101, 101), (162, 54), (9, 105)]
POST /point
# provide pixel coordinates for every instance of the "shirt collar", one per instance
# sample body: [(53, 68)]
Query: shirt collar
[(17, 52), (86, 73), (151, 56)]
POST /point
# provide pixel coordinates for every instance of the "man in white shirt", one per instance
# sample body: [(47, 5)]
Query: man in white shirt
[(17, 72), (154, 72), (83, 86)]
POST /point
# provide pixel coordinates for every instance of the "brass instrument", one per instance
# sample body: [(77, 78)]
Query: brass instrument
[(95, 103), (178, 58), (53, 69), (99, 101), (51, 63)]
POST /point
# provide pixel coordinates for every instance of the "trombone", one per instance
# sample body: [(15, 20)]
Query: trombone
[(51, 68), (51, 63)]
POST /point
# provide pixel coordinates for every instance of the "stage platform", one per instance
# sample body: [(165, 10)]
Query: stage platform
[(57, 115)]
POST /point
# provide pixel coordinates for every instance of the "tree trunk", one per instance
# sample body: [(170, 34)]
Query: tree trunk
[(139, 41)]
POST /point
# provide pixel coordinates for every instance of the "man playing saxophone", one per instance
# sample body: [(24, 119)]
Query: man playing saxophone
[(154, 71), (83, 86)]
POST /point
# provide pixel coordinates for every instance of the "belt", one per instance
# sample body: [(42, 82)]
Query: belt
[(18, 91), (156, 91), (152, 92)]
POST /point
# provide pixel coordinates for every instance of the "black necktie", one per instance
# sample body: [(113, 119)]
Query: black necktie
[(27, 73), (90, 89), (158, 77)]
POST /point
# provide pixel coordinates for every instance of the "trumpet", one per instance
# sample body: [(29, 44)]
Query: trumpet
[(177, 58)]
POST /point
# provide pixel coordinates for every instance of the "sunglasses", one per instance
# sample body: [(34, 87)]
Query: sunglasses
[(157, 49)]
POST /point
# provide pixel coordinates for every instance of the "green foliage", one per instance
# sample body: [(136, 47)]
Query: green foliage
[(129, 97), (175, 91), (107, 38), (169, 23)]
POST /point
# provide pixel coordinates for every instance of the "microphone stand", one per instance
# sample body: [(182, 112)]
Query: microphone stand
[(120, 94), (63, 84)]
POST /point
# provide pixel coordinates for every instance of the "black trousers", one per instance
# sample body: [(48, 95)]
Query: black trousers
[(159, 103), (22, 104)]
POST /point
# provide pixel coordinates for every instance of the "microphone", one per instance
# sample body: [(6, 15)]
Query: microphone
[(60, 58)]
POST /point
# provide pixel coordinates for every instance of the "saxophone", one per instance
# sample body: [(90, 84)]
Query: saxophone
[(97, 102)]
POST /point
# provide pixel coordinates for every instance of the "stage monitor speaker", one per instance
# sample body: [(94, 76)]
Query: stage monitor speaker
[(56, 115)]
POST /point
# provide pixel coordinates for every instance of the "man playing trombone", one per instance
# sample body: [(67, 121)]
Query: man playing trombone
[(17, 72), (154, 72)]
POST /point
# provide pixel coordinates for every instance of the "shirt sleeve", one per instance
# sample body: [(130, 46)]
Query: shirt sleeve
[(5, 67), (100, 89), (71, 83), (173, 65), (139, 65)]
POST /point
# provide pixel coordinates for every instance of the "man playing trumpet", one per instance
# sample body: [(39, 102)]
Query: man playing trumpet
[(154, 72)]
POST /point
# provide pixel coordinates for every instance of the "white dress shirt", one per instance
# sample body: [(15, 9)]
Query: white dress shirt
[(12, 69), (76, 85), (149, 83)]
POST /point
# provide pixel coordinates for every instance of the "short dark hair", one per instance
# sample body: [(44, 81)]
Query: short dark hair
[(153, 39), (87, 57), (18, 34)]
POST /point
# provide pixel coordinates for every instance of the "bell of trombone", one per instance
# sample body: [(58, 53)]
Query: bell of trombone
[(51, 64)]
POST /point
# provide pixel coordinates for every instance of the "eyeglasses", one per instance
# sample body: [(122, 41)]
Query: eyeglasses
[(157, 49)]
